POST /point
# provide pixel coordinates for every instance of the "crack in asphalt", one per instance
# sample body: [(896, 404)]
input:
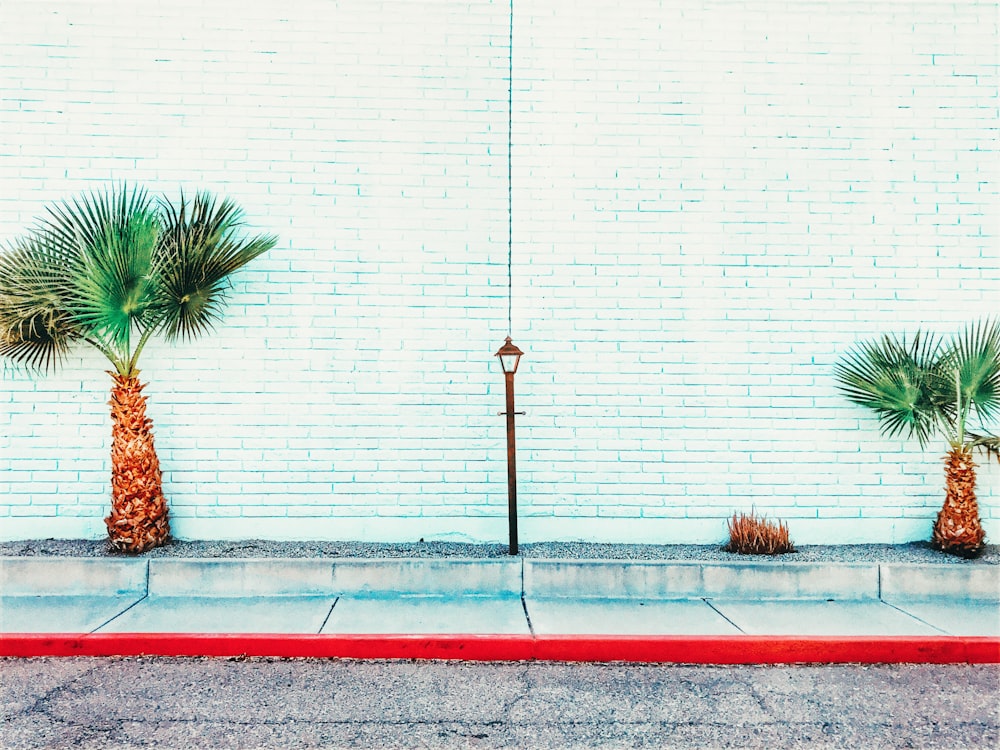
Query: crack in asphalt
[(613, 705), (43, 707)]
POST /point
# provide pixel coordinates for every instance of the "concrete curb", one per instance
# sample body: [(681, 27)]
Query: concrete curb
[(253, 577), (430, 577), (27, 576), (586, 579), (926, 581), (467, 583)]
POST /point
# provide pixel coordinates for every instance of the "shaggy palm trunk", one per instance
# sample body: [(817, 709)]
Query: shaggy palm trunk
[(138, 519), (958, 529)]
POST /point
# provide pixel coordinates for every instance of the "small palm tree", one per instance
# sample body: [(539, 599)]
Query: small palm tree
[(927, 388), (112, 269)]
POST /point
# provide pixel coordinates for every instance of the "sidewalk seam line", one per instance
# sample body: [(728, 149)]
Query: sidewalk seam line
[(111, 619), (329, 614), (918, 619), (708, 601)]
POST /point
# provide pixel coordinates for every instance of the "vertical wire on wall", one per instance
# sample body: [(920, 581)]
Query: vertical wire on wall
[(510, 190)]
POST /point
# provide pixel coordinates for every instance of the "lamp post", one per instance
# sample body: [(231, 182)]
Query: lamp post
[(510, 356)]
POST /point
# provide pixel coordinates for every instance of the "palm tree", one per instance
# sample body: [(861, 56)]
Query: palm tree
[(927, 388), (112, 269)]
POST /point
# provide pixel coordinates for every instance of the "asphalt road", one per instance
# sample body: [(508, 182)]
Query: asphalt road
[(255, 703)]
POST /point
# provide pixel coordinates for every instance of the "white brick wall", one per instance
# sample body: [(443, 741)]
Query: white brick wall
[(712, 202)]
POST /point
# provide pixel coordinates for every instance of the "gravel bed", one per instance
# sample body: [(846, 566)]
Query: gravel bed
[(881, 553)]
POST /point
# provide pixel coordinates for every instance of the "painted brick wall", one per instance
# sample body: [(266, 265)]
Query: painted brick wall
[(711, 202)]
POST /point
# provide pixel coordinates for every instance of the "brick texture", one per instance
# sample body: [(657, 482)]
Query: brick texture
[(711, 203)]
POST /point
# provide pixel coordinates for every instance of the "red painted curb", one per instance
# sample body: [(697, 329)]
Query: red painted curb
[(737, 649), (772, 649)]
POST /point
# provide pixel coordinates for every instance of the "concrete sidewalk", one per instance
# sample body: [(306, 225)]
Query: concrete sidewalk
[(515, 598)]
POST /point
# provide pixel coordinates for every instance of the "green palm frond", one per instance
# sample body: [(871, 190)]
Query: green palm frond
[(200, 248), (898, 380), (36, 328), (989, 444), (108, 264), (107, 241), (925, 386), (975, 355)]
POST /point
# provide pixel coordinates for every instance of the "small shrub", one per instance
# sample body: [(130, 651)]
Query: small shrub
[(753, 535)]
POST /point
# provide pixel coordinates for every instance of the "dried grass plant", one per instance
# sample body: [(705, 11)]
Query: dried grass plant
[(756, 535)]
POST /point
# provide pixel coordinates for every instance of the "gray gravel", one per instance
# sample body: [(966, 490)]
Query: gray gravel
[(882, 553)]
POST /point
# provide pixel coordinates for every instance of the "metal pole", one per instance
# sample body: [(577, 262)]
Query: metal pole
[(511, 465)]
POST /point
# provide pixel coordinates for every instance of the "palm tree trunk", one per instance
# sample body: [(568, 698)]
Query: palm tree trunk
[(138, 519), (958, 529)]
